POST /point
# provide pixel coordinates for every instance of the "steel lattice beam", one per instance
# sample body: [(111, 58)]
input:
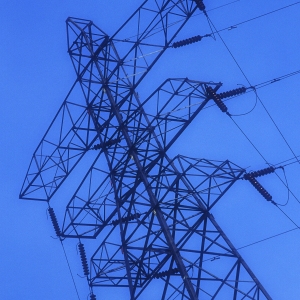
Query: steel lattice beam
[(103, 65), (197, 237), (150, 138), (150, 215)]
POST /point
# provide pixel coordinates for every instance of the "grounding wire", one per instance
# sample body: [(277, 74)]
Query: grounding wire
[(212, 34), (240, 23)]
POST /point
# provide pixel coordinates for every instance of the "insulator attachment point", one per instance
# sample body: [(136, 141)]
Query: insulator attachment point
[(200, 5), (92, 297), (212, 94)]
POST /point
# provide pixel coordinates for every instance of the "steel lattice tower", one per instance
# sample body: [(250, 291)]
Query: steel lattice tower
[(148, 214)]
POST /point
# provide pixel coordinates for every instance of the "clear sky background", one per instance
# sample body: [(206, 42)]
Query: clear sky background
[(36, 74)]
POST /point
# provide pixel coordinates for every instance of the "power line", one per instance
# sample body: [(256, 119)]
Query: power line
[(287, 161), (248, 139), (70, 269), (58, 233), (285, 184), (238, 65), (268, 238), (255, 18), (259, 241), (225, 28), (263, 84), (288, 217)]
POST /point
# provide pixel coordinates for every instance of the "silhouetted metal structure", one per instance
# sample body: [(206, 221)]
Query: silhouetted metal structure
[(149, 214)]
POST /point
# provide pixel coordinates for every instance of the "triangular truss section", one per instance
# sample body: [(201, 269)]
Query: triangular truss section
[(150, 215), (213, 266)]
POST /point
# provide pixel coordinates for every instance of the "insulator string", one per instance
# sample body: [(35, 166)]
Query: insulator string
[(263, 107), (266, 110), (254, 88)]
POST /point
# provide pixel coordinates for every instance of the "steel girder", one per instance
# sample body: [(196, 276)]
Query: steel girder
[(116, 64), (177, 102), (149, 214), (186, 190), (135, 151)]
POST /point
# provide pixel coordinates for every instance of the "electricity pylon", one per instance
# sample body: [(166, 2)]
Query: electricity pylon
[(148, 214)]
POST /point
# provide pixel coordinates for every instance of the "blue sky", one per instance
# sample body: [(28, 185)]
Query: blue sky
[(36, 75)]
